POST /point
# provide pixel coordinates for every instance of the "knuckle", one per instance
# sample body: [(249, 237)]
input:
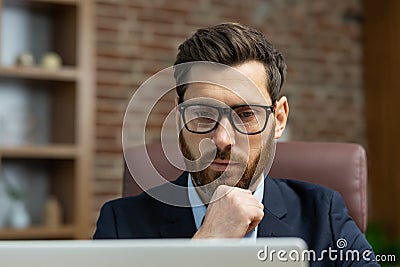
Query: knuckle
[(260, 214), (235, 200)]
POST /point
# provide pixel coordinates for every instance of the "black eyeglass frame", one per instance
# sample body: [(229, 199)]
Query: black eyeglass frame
[(221, 112)]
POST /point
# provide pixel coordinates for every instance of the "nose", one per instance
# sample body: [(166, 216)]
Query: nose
[(224, 134)]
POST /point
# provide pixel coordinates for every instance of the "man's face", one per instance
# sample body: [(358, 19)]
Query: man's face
[(238, 156)]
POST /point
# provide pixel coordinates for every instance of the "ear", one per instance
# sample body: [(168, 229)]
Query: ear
[(281, 115), (176, 103), (178, 117)]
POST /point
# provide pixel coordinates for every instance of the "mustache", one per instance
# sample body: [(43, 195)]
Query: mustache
[(225, 154)]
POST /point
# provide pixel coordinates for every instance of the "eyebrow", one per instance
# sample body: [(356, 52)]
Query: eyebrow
[(232, 107)]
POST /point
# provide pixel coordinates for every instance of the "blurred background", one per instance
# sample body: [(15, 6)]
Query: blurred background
[(69, 68)]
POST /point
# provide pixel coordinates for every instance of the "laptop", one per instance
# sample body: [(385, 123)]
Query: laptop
[(154, 253)]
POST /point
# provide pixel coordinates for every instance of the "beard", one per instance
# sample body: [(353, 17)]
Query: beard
[(247, 176)]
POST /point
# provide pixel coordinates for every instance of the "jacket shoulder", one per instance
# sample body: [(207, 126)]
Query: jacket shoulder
[(306, 189), (141, 201), (129, 217)]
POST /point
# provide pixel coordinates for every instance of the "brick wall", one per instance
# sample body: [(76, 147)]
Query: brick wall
[(320, 39)]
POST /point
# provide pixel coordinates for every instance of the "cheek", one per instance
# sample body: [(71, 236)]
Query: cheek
[(251, 145), (192, 141), (256, 145)]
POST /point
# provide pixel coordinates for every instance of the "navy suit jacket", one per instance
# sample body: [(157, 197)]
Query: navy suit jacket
[(291, 209)]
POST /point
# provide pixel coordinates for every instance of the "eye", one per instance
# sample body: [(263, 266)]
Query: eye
[(246, 114), (203, 113)]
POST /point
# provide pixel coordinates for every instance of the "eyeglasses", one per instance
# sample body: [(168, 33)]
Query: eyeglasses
[(246, 119)]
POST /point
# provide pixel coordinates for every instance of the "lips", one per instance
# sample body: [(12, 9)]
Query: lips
[(222, 165)]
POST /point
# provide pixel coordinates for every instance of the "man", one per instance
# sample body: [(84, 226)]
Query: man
[(228, 192)]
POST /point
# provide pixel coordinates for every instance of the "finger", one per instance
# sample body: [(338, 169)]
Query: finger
[(251, 200), (255, 221), (234, 189)]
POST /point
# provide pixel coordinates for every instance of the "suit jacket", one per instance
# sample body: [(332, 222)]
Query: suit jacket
[(291, 209)]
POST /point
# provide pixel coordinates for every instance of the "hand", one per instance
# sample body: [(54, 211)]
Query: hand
[(232, 213)]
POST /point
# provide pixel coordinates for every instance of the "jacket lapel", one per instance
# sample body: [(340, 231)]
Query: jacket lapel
[(178, 220), (273, 223)]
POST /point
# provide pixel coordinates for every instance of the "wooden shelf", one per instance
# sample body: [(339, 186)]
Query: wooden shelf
[(44, 152), (25, 3), (63, 2), (68, 118), (39, 232), (63, 74)]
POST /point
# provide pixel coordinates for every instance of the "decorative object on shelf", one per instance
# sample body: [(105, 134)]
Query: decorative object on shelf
[(5, 204), (25, 59), (14, 210), (13, 114), (24, 115), (29, 181), (51, 61), (20, 217), (53, 212)]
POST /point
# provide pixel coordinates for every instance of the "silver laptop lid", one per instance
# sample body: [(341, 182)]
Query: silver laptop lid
[(154, 253)]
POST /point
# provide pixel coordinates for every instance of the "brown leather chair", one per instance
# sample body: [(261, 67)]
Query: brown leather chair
[(339, 166)]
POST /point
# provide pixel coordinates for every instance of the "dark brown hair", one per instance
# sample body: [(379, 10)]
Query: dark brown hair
[(233, 44)]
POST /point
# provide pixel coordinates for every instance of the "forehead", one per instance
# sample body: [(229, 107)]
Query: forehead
[(242, 84)]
